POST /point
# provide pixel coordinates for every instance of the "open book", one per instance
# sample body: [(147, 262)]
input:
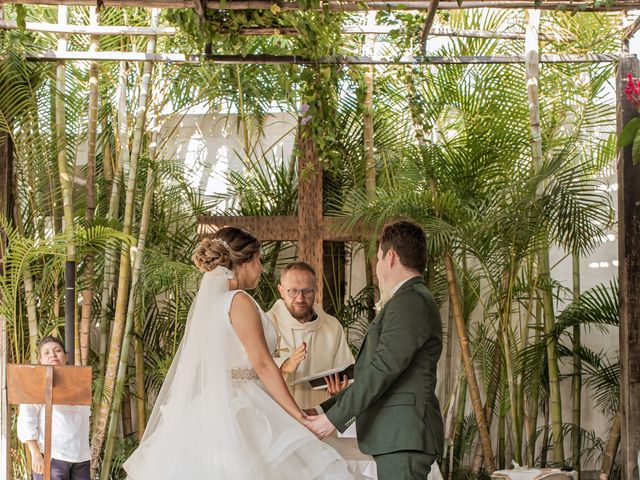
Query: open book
[(317, 379)]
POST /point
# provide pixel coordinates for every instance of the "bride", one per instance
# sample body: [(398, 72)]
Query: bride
[(224, 411)]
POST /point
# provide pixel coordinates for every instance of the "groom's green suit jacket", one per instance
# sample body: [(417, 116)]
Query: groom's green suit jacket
[(393, 396)]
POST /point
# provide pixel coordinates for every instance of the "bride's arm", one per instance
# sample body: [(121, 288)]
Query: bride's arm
[(246, 321)]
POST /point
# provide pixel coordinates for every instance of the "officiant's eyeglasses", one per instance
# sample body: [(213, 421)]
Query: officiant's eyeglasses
[(306, 292)]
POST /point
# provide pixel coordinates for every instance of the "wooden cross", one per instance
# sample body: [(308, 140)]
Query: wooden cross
[(49, 385), (309, 229)]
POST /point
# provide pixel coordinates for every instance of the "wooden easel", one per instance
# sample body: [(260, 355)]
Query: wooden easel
[(48, 385)]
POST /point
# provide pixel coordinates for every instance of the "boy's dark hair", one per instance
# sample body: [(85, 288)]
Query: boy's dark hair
[(408, 240), (50, 339), (297, 266)]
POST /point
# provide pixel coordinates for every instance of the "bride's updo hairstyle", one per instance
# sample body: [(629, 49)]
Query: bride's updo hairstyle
[(228, 247)]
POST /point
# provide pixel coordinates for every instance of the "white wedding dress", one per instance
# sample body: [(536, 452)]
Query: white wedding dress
[(213, 418)]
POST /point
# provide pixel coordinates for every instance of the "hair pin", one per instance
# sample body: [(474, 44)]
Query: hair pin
[(222, 242)]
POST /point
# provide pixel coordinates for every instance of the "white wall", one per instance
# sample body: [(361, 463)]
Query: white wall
[(210, 145)]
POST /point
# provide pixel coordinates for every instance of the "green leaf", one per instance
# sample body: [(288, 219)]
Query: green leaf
[(629, 131), (635, 152), (21, 18)]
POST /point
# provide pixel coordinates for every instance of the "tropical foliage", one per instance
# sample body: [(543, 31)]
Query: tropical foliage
[(448, 146)]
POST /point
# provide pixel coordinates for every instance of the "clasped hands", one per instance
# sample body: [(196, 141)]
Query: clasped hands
[(319, 425)]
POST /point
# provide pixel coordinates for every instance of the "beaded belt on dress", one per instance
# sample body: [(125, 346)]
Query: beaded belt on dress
[(244, 375)]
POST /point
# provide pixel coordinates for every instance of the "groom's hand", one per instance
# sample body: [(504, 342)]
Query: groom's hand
[(321, 426)]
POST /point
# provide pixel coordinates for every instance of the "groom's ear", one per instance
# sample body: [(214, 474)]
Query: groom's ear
[(393, 257), (281, 290)]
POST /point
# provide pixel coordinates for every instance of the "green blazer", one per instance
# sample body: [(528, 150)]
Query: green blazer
[(393, 395)]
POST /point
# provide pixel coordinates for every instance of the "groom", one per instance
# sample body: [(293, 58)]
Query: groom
[(393, 396)]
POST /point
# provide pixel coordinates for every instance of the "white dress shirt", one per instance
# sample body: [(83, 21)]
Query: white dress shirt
[(398, 285), (69, 430)]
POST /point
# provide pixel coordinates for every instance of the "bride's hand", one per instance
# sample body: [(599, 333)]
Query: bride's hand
[(303, 419)]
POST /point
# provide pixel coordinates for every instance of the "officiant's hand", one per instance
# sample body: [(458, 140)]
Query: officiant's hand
[(321, 426), (335, 385), (290, 365)]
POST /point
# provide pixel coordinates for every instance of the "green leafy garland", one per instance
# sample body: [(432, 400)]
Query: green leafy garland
[(318, 35)]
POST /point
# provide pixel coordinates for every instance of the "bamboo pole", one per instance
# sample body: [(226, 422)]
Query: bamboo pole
[(116, 349), (87, 293), (555, 400), (492, 394), (612, 448), (532, 411), (369, 146), (103, 30), (124, 357), (576, 387), (369, 50), (354, 5), (461, 409), (107, 157), (67, 197), (465, 351), (29, 290), (110, 250), (507, 346), (138, 322), (187, 59), (11, 208)]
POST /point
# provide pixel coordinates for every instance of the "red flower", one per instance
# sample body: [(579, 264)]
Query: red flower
[(633, 91)]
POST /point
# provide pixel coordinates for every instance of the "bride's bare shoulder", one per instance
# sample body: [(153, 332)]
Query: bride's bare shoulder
[(242, 304)]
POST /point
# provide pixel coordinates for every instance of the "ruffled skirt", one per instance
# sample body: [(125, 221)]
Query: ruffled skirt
[(251, 438)]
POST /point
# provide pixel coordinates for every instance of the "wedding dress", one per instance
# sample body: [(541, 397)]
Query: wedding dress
[(213, 418)]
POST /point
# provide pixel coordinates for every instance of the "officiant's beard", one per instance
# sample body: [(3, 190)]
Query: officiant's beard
[(301, 312)]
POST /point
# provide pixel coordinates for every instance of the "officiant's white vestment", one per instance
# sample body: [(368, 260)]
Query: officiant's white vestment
[(327, 348)]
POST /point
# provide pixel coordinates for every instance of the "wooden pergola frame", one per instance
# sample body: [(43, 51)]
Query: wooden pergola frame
[(353, 5), (310, 228)]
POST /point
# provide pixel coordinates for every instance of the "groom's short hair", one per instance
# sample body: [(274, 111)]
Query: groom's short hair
[(409, 242)]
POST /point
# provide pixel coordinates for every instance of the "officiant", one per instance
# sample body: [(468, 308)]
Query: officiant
[(310, 341)]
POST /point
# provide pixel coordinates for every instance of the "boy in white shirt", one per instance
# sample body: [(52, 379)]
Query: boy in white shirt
[(70, 452)]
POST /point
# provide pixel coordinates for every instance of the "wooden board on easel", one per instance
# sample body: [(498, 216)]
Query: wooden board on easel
[(48, 385)]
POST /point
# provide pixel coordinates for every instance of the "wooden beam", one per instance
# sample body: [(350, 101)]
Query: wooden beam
[(183, 59), (6, 207), (629, 274), (101, 30), (449, 32), (265, 228), (88, 29), (310, 218), (201, 8), (428, 23), (631, 30), (355, 5), (283, 228)]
